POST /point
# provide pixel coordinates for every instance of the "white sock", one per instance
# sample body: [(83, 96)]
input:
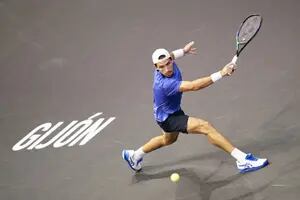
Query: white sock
[(238, 155), (138, 154)]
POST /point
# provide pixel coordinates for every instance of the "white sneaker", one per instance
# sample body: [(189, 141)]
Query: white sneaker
[(135, 165), (251, 163)]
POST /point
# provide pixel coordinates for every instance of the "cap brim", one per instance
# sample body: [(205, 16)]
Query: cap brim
[(163, 61)]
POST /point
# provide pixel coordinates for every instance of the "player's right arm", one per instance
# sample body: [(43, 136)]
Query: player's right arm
[(204, 82), (187, 86)]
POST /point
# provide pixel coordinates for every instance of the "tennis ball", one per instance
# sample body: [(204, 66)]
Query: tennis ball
[(174, 177)]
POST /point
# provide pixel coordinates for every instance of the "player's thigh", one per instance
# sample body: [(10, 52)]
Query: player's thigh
[(197, 125), (170, 137)]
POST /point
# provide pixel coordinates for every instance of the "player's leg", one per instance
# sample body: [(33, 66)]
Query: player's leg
[(199, 126), (245, 162), (171, 127), (134, 158), (160, 141)]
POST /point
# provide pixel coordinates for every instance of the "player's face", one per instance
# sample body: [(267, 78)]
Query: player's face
[(165, 67)]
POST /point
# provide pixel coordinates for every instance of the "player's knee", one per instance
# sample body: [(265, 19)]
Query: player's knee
[(204, 126), (208, 125)]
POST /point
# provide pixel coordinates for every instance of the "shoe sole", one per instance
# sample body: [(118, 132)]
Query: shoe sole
[(254, 168), (124, 158)]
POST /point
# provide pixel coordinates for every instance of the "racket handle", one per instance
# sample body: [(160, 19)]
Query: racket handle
[(234, 59)]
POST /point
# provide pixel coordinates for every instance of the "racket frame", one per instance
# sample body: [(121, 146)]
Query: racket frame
[(238, 44)]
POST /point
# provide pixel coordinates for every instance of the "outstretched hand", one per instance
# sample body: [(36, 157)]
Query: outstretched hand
[(189, 49)]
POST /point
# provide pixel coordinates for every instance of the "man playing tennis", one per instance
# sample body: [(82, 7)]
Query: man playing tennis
[(168, 87)]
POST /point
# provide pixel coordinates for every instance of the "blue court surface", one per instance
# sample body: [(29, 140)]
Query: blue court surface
[(76, 89)]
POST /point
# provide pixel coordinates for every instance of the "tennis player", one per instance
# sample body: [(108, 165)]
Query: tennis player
[(168, 88)]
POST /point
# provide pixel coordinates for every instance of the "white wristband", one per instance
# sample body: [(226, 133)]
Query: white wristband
[(216, 76), (178, 53)]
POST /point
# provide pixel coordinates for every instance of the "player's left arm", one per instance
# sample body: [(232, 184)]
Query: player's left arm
[(187, 49)]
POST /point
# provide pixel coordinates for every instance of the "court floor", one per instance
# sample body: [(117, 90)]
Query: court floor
[(76, 89)]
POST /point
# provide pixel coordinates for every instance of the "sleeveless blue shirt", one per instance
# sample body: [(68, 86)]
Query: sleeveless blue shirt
[(166, 94)]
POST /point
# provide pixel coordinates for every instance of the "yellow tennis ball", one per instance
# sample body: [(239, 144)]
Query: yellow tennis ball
[(174, 177)]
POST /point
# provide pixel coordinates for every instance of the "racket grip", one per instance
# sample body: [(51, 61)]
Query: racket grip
[(234, 59)]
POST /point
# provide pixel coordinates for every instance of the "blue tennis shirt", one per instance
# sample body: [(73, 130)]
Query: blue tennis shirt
[(166, 94)]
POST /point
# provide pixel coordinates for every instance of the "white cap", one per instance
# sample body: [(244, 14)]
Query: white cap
[(159, 52)]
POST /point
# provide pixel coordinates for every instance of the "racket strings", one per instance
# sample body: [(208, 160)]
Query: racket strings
[(249, 29)]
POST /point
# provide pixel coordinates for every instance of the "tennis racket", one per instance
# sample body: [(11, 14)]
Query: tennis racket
[(246, 32)]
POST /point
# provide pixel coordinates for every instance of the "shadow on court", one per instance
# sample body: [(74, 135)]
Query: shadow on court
[(195, 186)]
